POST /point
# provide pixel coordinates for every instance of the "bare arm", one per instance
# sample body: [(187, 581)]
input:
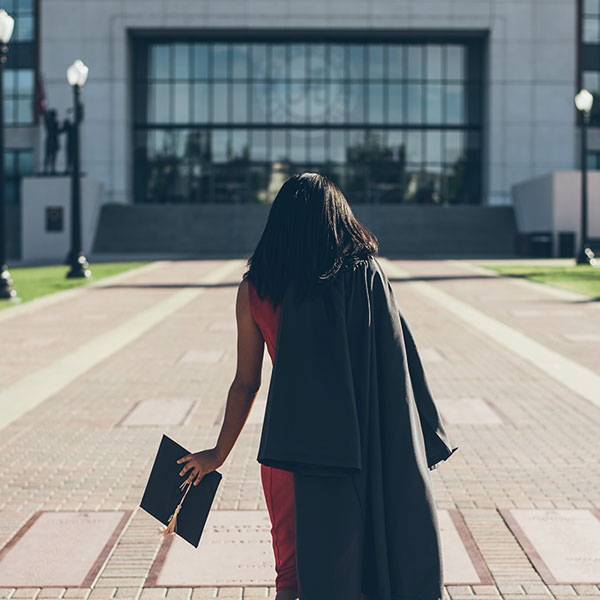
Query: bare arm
[(242, 392)]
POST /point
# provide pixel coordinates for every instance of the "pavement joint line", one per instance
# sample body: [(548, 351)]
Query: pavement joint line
[(565, 371), (55, 297), (529, 285), (32, 390)]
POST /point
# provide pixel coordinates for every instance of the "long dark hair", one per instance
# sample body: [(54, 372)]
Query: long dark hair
[(310, 235)]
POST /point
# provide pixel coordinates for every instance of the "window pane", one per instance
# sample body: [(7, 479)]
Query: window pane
[(181, 100), (160, 103), (201, 61), (318, 63), (259, 146), (298, 61), (336, 101), (337, 62), (25, 163), (356, 103), (396, 62), (24, 28), (433, 146), (395, 93), (219, 145), (433, 102), (280, 103), (259, 61), (24, 81), (415, 62), (454, 146), (279, 141), (434, 62), (414, 146), (454, 104), (591, 30), (239, 144), (258, 92), (239, 58), (375, 58), (240, 102), (182, 61), (317, 102), (356, 60), (220, 103), (375, 103), (159, 61), (415, 102), (279, 61), (455, 59), (220, 61), (318, 145), (200, 103), (337, 149)]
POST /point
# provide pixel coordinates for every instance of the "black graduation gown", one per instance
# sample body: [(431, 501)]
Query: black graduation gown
[(350, 413)]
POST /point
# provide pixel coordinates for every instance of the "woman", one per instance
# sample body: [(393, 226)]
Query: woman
[(350, 430)]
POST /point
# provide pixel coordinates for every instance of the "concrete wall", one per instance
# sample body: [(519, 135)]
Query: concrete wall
[(530, 122), (553, 203), (40, 246)]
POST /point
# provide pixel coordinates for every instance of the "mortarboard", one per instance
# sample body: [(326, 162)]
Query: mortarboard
[(166, 490)]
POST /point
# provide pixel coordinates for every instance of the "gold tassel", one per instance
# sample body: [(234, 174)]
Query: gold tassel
[(172, 522)]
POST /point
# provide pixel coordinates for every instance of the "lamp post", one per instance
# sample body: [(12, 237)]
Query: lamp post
[(584, 102), (76, 76), (7, 24)]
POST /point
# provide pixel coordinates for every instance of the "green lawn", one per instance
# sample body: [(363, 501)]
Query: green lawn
[(581, 279), (33, 282)]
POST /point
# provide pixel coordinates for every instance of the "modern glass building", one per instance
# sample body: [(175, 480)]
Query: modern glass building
[(225, 119)]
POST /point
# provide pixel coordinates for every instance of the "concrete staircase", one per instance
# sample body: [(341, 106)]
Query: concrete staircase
[(229, 229)]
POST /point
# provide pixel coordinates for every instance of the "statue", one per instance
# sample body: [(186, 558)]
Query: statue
[(52, 141)]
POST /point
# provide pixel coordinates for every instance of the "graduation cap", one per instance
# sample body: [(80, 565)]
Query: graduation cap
[(166, 491)]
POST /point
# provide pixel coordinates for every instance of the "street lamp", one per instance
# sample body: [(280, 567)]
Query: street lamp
[(584, 102), (7, 24), (76, 76)]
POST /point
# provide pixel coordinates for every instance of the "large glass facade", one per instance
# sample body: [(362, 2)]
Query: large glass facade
[(227, 121)]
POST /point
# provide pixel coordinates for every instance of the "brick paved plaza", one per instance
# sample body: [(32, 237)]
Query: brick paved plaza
[(89, 384)]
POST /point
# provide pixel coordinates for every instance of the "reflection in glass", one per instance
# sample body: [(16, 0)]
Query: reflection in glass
[(220, 104), (298, 61), (337, 146), (433, 146), (240, 102), (433, 103), (317, 61), (318, 145), (200, 113), (454, 104), (181, 102), (375, 105), (298, 145), (415, 102), (356, 102), (395, 103), (159, 102), (400, 134), (317, 102)]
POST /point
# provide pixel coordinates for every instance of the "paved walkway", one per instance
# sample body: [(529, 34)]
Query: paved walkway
[(83, 379)]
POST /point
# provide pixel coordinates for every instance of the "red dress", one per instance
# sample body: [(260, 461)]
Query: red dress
[(278, 485)]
